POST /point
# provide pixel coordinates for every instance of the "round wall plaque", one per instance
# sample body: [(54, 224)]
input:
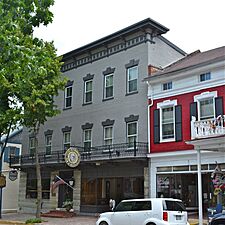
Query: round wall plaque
[(72, 157)]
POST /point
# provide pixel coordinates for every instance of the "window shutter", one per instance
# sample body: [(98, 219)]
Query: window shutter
[(156, 126), (193, 110), (178, 123), (6, 155), (219, 106)]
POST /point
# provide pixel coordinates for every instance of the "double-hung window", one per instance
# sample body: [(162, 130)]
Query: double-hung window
[(132, 79), (108, 86), (66, 140), (87, 139), (48, 144), (167, 86), (206, 109), (168, 119), (68, 96), (108, 135), (32, 146), (88, 91), (131, 133)]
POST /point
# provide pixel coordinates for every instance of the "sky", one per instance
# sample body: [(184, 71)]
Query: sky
[(193, 24)]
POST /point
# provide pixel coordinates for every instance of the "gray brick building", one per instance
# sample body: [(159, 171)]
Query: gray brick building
[(104, 117)]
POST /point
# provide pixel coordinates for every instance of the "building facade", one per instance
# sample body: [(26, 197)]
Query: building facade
[(104, 117), (186, 109), (11, 191)]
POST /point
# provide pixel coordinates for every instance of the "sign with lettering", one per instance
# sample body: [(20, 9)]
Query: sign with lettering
[(72, 157), (2, 181), (13, 175)]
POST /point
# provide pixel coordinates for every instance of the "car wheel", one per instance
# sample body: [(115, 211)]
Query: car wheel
[(103, 223), (150, 224)]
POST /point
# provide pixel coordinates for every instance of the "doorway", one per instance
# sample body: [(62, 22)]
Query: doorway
[(65, 192)]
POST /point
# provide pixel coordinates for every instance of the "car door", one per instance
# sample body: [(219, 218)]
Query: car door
[(122, 214), (141, 212)]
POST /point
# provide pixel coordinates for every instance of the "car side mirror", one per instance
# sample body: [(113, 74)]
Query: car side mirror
[(112, 204)]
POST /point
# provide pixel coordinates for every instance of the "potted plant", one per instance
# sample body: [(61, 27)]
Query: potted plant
[(68, 205)]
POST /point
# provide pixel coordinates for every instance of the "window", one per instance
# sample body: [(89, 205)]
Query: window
[(87, 139), (108, 89), (48, 144), (132, 76), (206, 109), (167, 118), (108, 135), (167, 86), (88, 91), (131, 133), (68, 96), (31, 185), (142, 205), (32, 146), (66, 140), (205, 77), (124, 206)]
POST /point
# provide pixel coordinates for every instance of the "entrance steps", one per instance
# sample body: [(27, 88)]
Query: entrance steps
[(58, 214)]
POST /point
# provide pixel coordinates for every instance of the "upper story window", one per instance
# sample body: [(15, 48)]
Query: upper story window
[(204, 106), (48, 144), (87, 139), (10, 151), (66, 140), (205, 77), (131, 133), (167, 122), (132, 79), (108, 135), (88, 91), (32, 145), (108, 86), (68, 96), (167, 86)]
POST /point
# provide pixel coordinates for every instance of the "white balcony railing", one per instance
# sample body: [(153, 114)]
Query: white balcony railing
[(207, 128)]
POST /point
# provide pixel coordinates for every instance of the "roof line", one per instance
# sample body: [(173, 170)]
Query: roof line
[(146, 23)]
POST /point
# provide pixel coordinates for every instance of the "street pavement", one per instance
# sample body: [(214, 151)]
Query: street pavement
[(22, 217)]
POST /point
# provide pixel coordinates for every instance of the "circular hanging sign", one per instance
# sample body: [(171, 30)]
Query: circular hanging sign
[(72, 157), (13, 175), (2, 181)]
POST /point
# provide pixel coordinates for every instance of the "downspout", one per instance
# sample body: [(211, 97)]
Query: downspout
[(150, 97)]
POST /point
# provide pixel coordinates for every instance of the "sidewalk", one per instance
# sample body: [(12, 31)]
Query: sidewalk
[(20, 218)]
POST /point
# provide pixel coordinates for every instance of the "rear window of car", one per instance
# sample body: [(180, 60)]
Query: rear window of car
[(173, 206)]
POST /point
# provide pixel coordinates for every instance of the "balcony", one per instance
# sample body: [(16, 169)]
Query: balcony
[(207, 128), (93, 154)]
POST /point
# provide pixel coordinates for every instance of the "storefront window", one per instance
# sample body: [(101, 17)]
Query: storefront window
[(31, 186)]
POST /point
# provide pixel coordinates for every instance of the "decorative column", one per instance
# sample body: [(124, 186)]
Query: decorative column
[(77, 191)]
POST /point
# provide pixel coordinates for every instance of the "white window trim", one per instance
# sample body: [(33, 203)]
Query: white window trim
[(131, 80), (160, 106), (168, 89), (50, 145), (136, 131), (66, 97), (108, 75), (84, 136), (105, 139), (85, 91), (205, 74), (65, 143), (205, 95)]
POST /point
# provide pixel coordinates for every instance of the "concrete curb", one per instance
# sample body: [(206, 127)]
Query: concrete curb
[(12, 222)]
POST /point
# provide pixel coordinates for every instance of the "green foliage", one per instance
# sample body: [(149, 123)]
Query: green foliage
[(29, 67), (34, 220)]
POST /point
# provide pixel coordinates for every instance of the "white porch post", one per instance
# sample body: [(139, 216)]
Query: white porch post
[(200, 211)]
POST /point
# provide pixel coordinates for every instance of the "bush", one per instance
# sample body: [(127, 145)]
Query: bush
[(34, 220)]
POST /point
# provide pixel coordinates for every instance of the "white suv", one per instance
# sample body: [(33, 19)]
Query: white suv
[(149, 211)]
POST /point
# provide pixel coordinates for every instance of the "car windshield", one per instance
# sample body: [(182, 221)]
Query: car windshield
[(173, 206)]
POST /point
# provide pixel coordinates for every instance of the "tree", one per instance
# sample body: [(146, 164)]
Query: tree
[(30, 75)]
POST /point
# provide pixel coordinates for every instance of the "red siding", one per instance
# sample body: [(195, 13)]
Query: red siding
[(184, 100)]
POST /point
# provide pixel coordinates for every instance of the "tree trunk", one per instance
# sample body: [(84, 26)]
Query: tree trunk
[(38, 174)]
